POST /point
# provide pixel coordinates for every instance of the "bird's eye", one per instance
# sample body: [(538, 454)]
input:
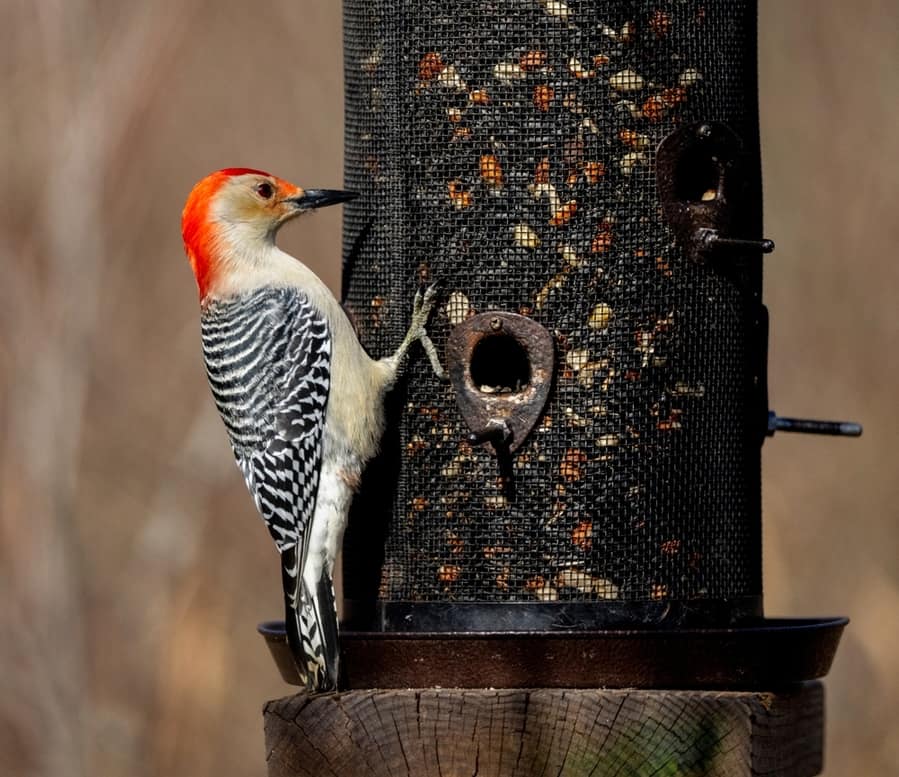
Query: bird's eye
[(265, 190)]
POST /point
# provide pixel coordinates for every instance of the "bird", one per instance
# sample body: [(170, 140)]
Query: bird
[(301, 400)]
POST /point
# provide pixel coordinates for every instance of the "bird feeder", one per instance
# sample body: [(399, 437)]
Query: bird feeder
[(578, 507), (583, 180)]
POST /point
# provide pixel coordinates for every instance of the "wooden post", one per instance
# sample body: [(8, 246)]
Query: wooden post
[(547, 732)]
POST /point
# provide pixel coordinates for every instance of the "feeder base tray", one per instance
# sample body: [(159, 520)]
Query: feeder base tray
[(769, 653)]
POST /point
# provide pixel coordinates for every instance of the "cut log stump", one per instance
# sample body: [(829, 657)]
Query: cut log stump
[(547, 733)]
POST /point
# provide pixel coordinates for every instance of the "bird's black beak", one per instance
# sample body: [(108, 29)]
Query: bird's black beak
[(320, 198)]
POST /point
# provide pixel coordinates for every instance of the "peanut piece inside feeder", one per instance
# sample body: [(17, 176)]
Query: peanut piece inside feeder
[(525, 236), (558, 9), (626, 81), (600, 317), (458, 308)]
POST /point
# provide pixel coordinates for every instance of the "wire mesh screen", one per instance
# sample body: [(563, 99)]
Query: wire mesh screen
[(507, 149)]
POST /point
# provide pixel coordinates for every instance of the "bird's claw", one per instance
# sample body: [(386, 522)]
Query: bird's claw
[(425, 297)]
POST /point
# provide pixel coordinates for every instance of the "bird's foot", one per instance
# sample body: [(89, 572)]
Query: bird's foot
[(421, 312), (422, 306)]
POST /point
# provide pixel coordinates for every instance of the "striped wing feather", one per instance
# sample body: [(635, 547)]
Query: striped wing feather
[(268, 362)]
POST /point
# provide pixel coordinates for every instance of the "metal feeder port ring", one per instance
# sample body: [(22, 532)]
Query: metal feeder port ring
[(501, 367)]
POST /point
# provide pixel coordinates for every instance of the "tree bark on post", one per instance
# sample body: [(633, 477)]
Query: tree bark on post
[(558, 732)]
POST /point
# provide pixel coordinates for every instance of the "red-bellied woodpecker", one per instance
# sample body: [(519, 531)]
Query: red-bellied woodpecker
[(301, 400)]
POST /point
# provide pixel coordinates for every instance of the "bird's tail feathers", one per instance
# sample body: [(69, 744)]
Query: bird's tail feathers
[(311, 620)]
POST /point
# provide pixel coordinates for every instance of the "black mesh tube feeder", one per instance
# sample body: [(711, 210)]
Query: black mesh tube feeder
[(579, 504)]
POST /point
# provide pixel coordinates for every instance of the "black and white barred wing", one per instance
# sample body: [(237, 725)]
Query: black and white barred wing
[(268, 360), (284, 476)]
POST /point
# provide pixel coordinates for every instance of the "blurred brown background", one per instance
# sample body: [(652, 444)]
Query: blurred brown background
[(131, 571)]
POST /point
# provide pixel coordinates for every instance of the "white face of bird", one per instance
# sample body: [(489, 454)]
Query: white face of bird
[(231, 218), (256, 205)]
